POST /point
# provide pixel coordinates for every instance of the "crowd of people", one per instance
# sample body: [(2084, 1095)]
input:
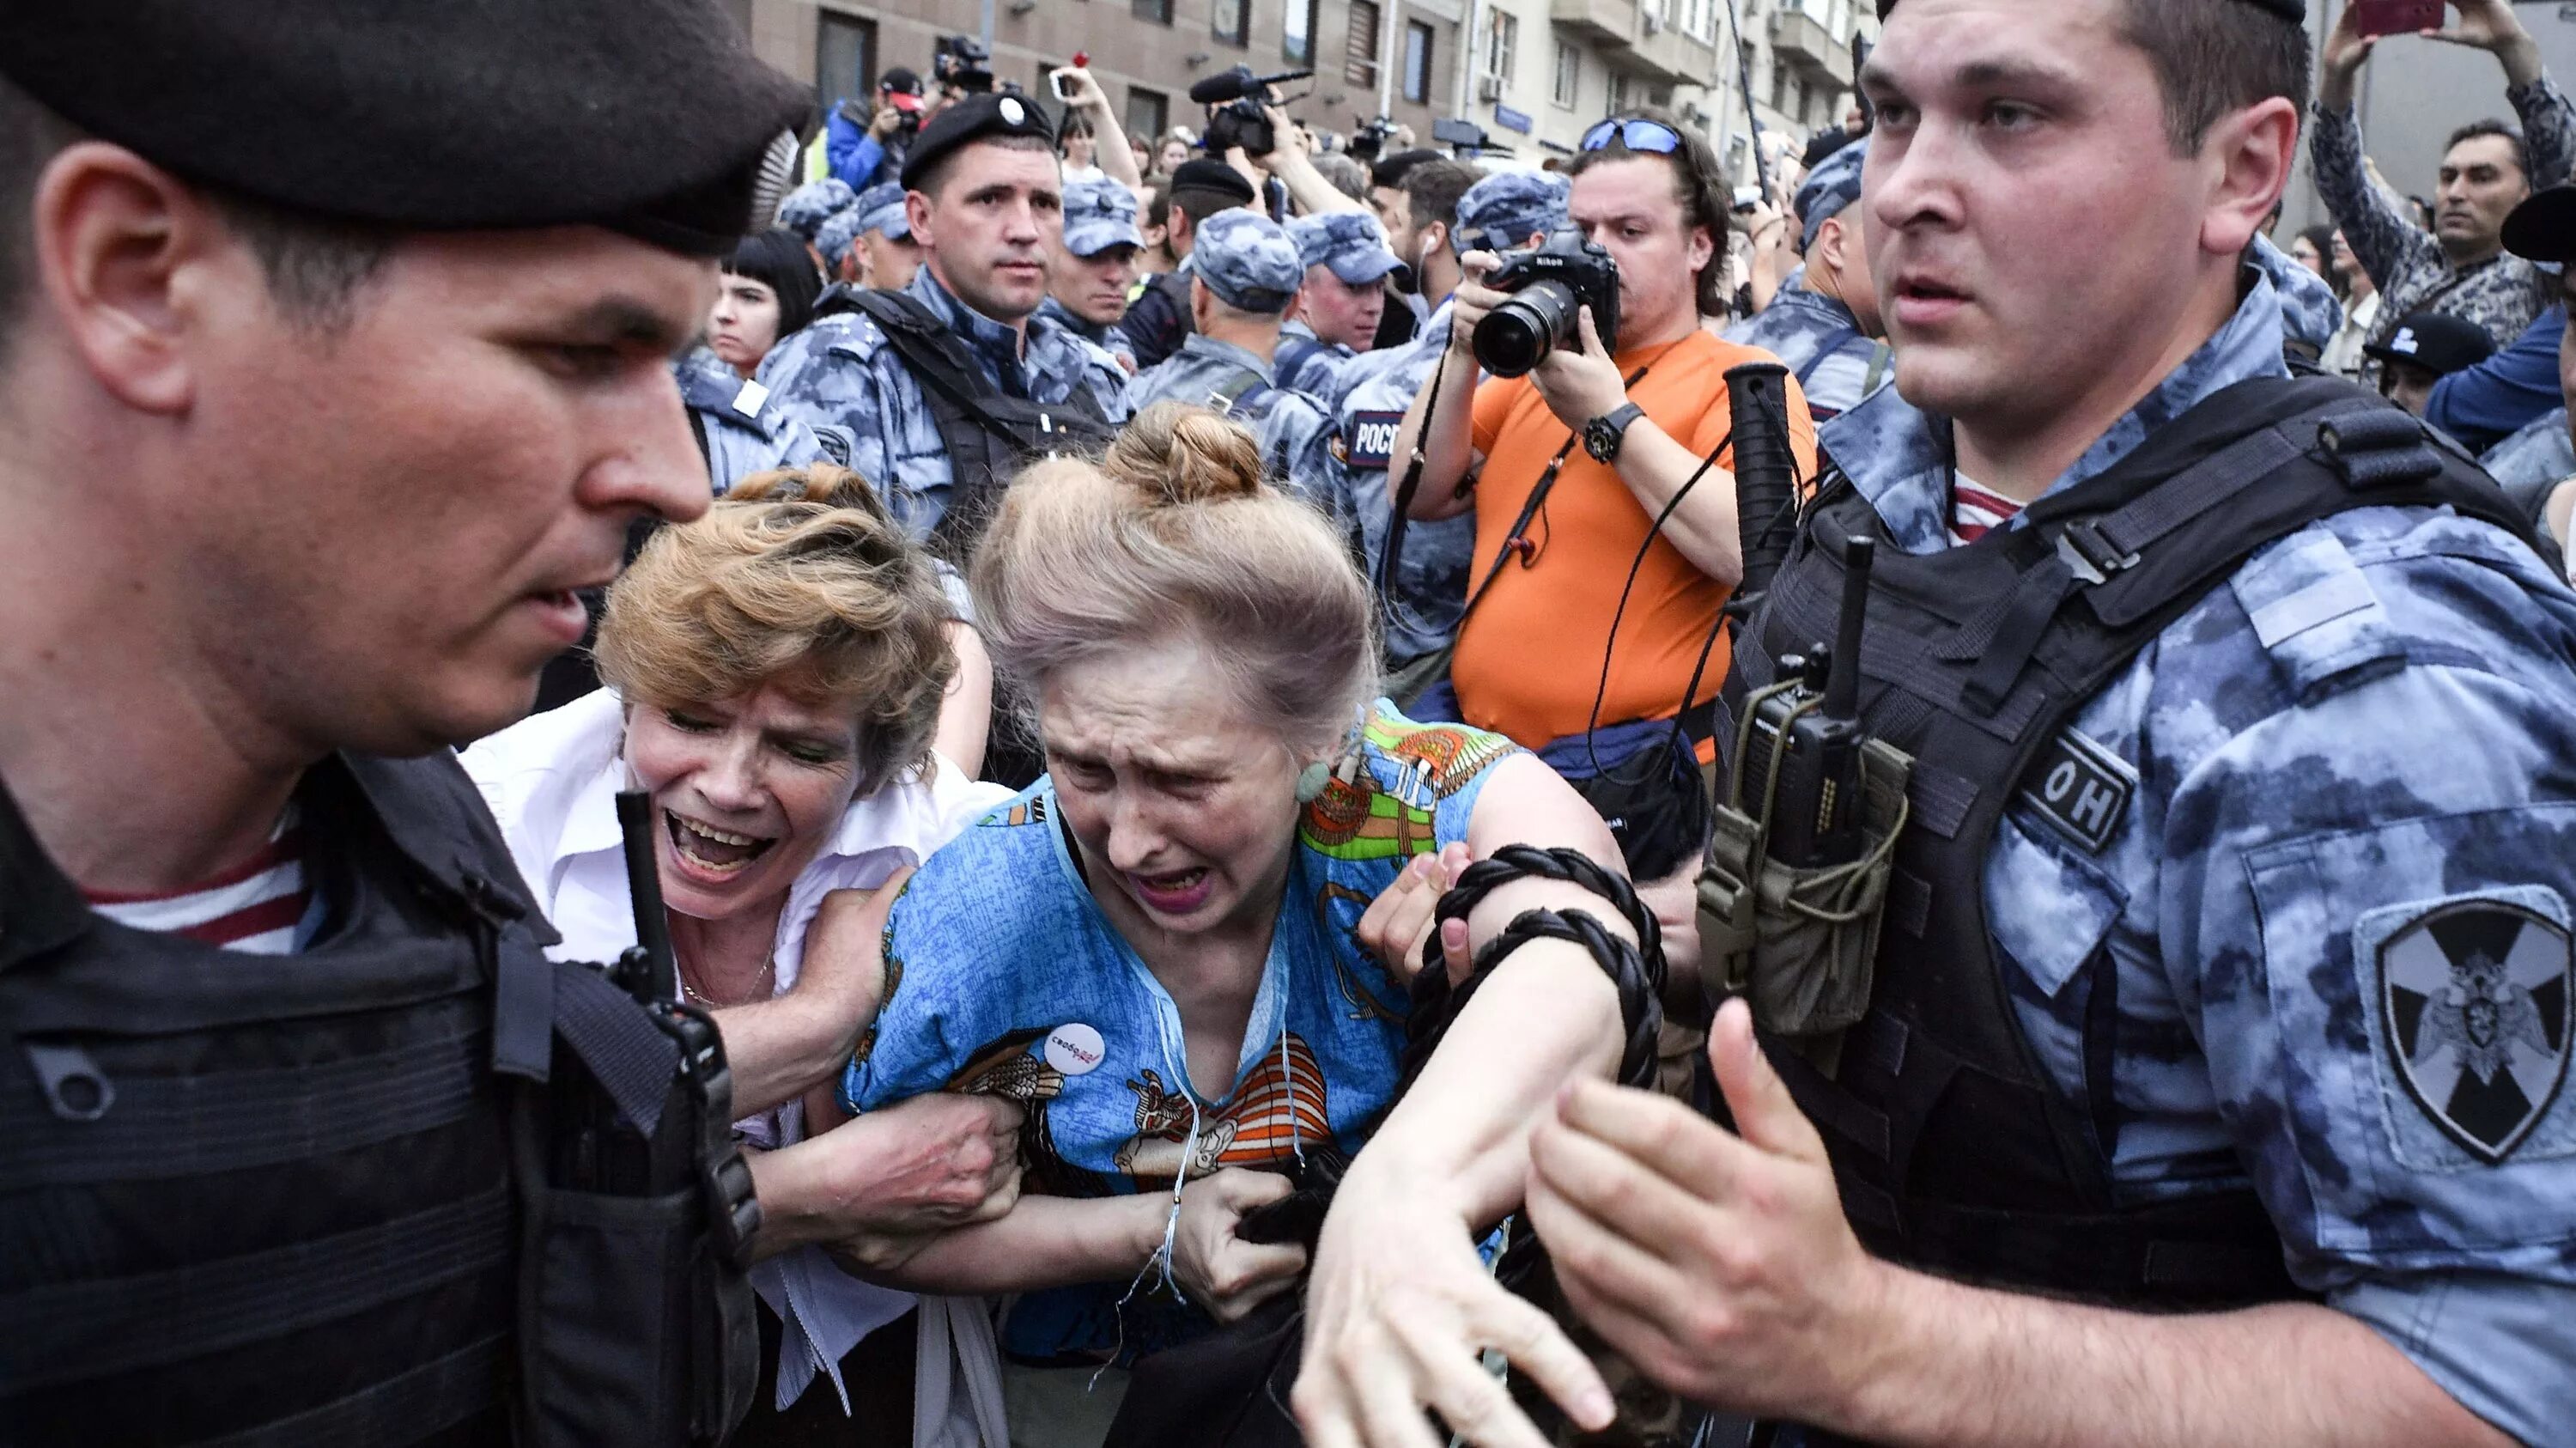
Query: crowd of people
[(1175, 715)]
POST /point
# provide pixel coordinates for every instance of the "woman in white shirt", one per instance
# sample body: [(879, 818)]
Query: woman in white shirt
[(775, 675)]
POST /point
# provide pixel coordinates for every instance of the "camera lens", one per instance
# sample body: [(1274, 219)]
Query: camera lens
[(1517, 335)]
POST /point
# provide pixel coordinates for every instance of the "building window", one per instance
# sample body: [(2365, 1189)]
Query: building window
[(1502, 43), (1417, 61), (1157, 11), (1359, 57), (1230, 21), (845, 59), (1297, 34), (1618, 93), (1569, 74), (1147, 113)]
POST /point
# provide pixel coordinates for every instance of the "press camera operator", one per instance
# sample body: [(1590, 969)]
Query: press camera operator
[(2199, 1041), (315, 433)]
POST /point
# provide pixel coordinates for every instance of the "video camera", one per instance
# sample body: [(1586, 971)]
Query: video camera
[(1549, 286), (962, 61), (1369, 141), (1234, 97)]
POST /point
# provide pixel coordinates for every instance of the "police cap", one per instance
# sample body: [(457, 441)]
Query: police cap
[(1505, 209), (1830, 188), (810, 205), (1347, 242), (979, 117), (648, 116), (1248, 261), (880, 209), (1205, 175), (1098, 215)]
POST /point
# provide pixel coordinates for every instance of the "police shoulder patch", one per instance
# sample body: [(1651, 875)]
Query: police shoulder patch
[(2475, 997), (2080, 787), (1372, 438)]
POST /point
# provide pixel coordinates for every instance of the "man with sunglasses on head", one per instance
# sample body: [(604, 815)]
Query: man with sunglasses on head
[(1576, 473), (2220, 1012)]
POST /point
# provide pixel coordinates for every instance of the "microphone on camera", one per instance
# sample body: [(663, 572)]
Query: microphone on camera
[(1235, 84)]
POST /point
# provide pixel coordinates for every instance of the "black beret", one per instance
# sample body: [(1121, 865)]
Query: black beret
[(979, 117), (1206, 175), (2543, 227), (649, 116)]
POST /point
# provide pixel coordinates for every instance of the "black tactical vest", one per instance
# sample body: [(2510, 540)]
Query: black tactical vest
[(1954, 1151), (297, 1200)]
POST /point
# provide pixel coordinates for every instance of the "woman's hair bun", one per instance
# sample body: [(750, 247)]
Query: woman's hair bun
[(826, 484), (1176, 452)]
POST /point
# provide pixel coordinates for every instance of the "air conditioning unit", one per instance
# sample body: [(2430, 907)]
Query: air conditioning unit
[(1489, 87)]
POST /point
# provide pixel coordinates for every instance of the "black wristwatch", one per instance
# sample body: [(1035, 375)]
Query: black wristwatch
[(1602, 435)]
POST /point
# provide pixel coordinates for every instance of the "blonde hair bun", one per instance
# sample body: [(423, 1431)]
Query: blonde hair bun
[(1177, 452)]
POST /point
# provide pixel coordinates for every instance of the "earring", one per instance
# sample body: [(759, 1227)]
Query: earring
[(1311, 781)]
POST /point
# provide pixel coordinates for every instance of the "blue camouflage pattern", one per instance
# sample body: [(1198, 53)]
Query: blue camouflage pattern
[(1418, 615), (2372, 722), (1247, 260), (1836, 363), (1295, 434), (805, 209), (1832, 186), (840, 372), (1099, 215), (838, 234), (2311, 313), (2540, 454), (744, 429), (1505, 209), (1307, 363), (880, 210), (1104, 335), (1348, 243)]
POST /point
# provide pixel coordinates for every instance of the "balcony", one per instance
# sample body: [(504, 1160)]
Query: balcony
[(1663, 55), (1608, 22), (1803, 41)]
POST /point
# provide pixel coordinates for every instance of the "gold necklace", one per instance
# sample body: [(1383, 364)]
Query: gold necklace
[(760, 988)]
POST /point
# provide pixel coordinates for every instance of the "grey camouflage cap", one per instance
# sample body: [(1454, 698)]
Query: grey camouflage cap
[(1504, 209), (1248, 261), (810, 205), (1833, 185), (1099, 215), (880, 209), (840, 232), (1349, 242)]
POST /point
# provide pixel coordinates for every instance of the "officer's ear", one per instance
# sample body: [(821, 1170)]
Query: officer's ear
[(2247, 157), (916, 214), (1200, 299), (140, 269)]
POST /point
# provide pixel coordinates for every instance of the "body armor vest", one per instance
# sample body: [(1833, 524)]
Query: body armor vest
[(1954, 1151), (300, 1199)]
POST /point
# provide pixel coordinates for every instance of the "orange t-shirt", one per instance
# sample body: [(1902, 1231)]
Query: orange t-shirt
[(1529, 658)]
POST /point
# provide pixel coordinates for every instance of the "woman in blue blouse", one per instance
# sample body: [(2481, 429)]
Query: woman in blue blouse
[(1157, 948)]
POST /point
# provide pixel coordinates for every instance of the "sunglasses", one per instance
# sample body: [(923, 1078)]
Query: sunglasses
[(1636, 135)]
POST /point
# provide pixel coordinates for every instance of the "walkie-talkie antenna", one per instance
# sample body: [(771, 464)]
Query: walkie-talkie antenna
[(644, 887), (1842, 686)]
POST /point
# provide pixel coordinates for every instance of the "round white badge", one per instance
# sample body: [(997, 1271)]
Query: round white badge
[(1012, 113), (1074, 1049)]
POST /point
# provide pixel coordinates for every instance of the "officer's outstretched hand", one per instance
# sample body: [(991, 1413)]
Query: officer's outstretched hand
[(1719, 1263), (1581, 383)]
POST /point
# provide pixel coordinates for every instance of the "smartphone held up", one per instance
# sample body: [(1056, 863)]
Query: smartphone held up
[(2396, 17)]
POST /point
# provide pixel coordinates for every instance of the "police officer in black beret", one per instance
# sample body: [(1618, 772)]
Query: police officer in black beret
[(1158, 321), (334, 348)]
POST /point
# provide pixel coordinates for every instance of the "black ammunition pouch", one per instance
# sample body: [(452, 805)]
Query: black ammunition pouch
[(1954, 1151), (322, 1198)]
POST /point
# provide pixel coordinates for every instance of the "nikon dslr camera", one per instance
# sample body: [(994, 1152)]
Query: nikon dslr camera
[(1549, 286)]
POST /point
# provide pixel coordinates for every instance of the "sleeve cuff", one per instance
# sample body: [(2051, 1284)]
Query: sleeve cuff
[(2504, 1347)]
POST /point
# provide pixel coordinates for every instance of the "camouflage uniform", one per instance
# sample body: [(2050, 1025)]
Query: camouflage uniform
[(1247, 260), (2503, 293), (1419, 616), (2335, 907), (2311, 314), (740, 426), (840, 372), (1836, 363), (1097, 216), (1351, 246), (810, 205)]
